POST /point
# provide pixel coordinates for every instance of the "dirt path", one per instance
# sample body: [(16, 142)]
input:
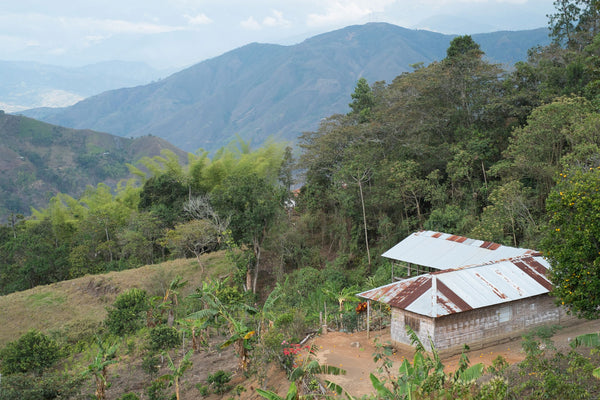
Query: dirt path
[(354, 353)]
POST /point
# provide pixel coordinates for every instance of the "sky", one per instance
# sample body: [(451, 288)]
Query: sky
[(170, 34)]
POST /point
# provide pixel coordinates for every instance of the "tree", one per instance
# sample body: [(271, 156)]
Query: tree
[(32, 352), (535, 151), (163, 338), (461, 46), (171, 298), (508, 219), (139, 240), (572, 241), (126, 313), (575, 22), (362, 101), (253, 205), (197, 236), (164, 194)]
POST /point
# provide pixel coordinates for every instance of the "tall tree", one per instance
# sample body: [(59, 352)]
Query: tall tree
[(575, 22), (197, 237), (572, 240), (362, 101), (252, 204)]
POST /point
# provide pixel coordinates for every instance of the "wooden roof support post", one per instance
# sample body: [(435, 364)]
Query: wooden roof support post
[(368, 317)]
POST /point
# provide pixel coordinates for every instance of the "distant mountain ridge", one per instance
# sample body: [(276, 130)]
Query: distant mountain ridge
[(25, 84), (263, 90), (38, 160)]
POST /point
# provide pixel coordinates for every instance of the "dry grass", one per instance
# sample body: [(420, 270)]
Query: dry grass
[(82, 302)]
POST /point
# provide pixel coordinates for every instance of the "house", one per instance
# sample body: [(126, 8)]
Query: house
[(466, 291)]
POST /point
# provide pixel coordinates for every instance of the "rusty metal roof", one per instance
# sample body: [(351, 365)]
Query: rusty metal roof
[(444, 251), (470, 287)]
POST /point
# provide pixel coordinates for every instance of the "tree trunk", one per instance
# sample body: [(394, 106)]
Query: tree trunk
[(177, 388), (108, 243), (199, 262), (256, 265), (362, 202)]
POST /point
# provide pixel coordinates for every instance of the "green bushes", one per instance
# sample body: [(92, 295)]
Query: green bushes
[(164, 337), (219, 381), (32, 352), (49, 386), (126, 314)]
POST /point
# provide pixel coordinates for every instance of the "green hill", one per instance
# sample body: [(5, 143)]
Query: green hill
[(38, 160)]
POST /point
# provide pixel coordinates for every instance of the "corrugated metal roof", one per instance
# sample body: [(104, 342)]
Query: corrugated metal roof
[(444, 251), (456, 290)]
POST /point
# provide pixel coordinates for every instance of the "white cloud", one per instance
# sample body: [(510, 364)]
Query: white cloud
[(93, 26), (58, 51), (118, 26), (200, 19), (345, 11), (275, 20), (250, 23), (93, 39)]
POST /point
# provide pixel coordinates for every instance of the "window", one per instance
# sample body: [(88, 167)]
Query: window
[(413, 322), (504, 314)]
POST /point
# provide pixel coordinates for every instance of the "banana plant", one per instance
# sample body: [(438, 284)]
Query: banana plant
[(177, 371), (221, 314), (292, 393), (307, 370), (425, 375), (589, 340), (99, 366)]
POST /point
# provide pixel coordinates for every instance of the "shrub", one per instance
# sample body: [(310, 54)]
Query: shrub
[(125, 315), (150, 364), (49, 386), (164, 337), (156, 391), (32, 352), (203, 389), (129, 396), (219, 381)]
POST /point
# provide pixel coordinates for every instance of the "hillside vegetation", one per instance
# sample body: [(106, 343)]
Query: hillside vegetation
[(263, 90), (459, 146), (78, 306), (39, 160)]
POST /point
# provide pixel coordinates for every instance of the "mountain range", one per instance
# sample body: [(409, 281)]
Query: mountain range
[(26, 84), (38, 160), (264, 90)]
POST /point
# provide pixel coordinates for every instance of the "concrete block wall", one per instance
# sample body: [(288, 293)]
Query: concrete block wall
[(481, 327), (398, 329)]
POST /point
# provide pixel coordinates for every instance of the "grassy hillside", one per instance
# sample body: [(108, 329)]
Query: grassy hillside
[(38, 160), (75, 307)]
